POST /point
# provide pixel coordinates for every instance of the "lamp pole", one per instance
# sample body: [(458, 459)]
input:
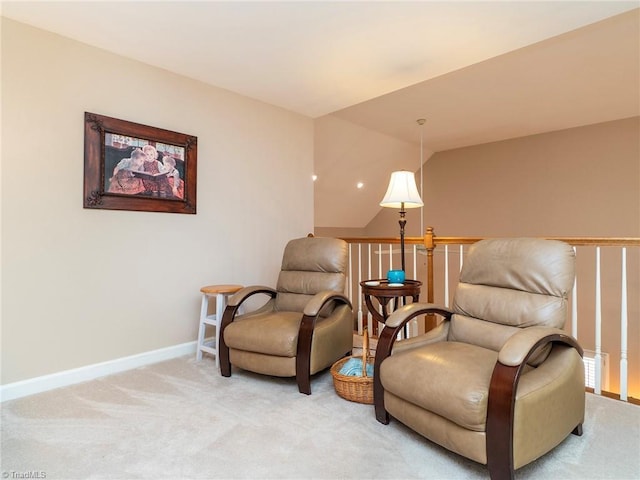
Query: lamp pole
[(402, 223)]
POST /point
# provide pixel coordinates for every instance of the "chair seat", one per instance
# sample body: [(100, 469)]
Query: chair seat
[(272, 333), (419, 375)]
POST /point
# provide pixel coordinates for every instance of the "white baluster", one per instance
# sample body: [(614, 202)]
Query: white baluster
[(461, 256), (350, 289), (379, 260), (413, 329), (350, 276), (598, 340), (574, 305), (623, 329), (446, 275), (369, 319), (360, 325)]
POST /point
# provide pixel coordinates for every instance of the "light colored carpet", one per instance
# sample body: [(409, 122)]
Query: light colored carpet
[(181, 420)]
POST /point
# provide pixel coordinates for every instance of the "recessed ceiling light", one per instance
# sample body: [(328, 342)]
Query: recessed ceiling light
[(360, 185), (314, 177)]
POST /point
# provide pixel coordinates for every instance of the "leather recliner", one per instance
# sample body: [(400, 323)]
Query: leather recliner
[(306, 324), (498, 380)]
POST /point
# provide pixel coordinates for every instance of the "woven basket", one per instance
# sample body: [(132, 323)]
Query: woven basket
[(355, 389)]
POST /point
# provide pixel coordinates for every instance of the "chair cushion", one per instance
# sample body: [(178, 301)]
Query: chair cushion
[(508, 284), (272, 333), (310, 265), (479, 332), (316, 254), (510, 307), (544, 267), (296, 289), (489, 335), (450, 379)]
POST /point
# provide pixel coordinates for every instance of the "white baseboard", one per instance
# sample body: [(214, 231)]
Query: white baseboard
[(23, 388)]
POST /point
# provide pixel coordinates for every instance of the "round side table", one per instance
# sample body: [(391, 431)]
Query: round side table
[(384, 292)]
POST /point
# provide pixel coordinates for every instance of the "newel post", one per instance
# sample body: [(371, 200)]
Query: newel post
[(429, 244)]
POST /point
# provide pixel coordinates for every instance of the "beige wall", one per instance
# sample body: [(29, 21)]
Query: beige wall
[(577, 182), (367, 153), (339, 232), (85, 286)]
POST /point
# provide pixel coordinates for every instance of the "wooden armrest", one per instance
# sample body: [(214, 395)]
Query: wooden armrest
[(437, 334), (320, 299), (402, 315), (245, 292)]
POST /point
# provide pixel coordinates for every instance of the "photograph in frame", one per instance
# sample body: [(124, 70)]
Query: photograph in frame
[(130, 166)]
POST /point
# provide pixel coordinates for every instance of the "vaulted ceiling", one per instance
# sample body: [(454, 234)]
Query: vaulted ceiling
[(477, 71)]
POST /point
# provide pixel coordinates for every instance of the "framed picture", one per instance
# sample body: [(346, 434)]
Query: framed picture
[(128, 166)]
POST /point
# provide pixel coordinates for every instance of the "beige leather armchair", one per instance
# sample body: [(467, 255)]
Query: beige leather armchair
[(306, 324), (498, 381)]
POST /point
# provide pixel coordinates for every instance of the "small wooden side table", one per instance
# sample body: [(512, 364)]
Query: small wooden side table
[(384, 293), (220, 292)]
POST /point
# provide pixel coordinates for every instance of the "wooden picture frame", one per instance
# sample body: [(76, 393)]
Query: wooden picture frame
[(129, 166)]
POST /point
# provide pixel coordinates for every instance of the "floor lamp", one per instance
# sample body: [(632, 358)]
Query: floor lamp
[(402, 193)]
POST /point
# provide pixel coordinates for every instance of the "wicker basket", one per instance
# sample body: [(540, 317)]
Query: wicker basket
[(355, 389)]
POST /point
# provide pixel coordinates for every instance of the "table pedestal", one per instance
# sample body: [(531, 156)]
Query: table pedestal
[(384, 293)]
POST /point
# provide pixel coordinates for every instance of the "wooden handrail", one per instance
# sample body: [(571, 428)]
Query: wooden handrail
[(577, 241)]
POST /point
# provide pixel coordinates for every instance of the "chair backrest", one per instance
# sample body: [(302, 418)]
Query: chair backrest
[(310, 265), (508, 284)]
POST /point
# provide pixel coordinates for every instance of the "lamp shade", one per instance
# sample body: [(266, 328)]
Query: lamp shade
[(402, 189)]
